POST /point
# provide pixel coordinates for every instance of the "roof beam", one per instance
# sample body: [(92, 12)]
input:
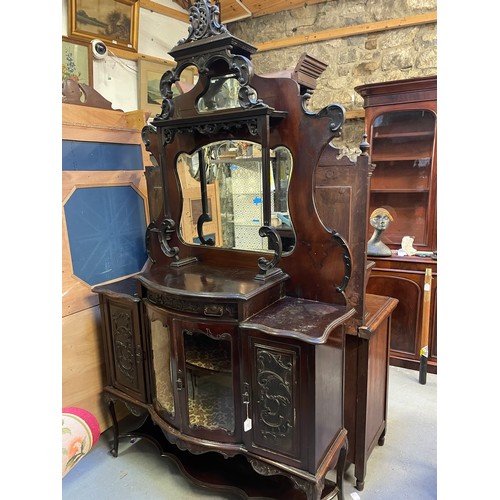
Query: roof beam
[(162, 9), (358, 29)]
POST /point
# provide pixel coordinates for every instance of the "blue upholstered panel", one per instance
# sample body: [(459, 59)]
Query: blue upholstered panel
[(79, 155), (106, 230)]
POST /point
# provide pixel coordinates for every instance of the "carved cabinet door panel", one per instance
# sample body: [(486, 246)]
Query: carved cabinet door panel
[(124, 347), (271, 397)]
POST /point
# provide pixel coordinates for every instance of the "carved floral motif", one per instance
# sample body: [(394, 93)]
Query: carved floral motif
[(123, 343)]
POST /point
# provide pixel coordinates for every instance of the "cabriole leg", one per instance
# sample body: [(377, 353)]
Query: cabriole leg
[(111, 408)]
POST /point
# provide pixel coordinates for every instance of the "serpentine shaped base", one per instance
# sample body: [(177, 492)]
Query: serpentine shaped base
[(211, 470)]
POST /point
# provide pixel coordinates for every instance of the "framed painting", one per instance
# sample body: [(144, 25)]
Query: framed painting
[(150, 73), (77, 61), (113, 21)]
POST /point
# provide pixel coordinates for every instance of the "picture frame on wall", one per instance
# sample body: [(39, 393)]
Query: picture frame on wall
[(77, 61), (115, 22), (150, 73)]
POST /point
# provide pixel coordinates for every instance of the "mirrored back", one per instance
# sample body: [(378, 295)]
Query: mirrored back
[(223, 196)]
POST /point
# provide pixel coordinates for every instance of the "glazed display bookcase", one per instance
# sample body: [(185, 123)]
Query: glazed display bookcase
[(401, 124)]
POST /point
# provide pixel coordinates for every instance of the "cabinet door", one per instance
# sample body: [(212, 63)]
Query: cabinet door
[(403, 149), (271, 382), (124, 347), (207, 379), (407, 285), (163, 370)]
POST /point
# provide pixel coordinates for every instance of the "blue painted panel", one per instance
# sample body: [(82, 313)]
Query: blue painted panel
[(106, 230), (79, 155)]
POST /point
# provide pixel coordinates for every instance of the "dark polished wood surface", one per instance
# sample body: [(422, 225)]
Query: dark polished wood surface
[(307, 349), (201, 280), (367, 378), (304, 319)]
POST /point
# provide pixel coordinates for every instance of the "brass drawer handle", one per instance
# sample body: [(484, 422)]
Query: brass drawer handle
[(213, 310)]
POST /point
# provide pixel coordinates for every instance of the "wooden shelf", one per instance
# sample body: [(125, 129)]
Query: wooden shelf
[(403, 191), (398, 156), (410, 134)]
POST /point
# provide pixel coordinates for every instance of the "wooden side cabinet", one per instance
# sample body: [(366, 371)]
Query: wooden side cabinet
[(367, 382), (296, 409)]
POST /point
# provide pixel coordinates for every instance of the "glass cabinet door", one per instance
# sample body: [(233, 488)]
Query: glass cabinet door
[(403, 144), (161, 346), (208, 379)]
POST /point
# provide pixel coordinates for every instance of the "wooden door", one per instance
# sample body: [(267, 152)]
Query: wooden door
[(207, 379), (271, 398), (124, 347)]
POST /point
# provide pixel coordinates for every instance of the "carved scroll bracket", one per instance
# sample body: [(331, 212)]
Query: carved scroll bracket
[(312, 488), (334, 111), (240, 66), (268, 267), (347, 261)]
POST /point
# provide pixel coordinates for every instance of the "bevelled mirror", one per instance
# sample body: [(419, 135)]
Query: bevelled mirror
[(223, 196), (223, 92)]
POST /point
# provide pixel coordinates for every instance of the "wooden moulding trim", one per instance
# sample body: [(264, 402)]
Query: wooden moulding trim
[(359, 29), (86, 123), (351, 114), (162, 9), (72, 131), (88, 116), (259, 9)]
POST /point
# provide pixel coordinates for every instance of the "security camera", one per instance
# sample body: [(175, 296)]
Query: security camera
[(99, 49)]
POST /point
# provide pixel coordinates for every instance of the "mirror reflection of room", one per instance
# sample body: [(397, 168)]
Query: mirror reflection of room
[(223, 184), (222, 93)]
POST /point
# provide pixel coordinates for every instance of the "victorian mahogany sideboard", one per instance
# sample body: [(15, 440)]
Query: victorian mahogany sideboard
[(247, 360)]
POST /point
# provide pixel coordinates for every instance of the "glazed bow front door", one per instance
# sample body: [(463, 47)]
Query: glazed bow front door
[(195, 375), (206, 379)]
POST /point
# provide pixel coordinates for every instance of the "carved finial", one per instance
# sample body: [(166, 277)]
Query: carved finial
[(364, 146), (204, 18)]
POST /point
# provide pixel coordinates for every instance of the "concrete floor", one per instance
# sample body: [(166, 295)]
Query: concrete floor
[(405, 468)]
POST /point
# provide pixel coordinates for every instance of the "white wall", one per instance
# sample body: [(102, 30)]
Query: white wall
[(115, 78)]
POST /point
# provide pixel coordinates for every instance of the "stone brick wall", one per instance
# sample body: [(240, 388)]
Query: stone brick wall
[(393, 54)]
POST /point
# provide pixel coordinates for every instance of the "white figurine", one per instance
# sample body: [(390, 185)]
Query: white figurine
[(407, 245)]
